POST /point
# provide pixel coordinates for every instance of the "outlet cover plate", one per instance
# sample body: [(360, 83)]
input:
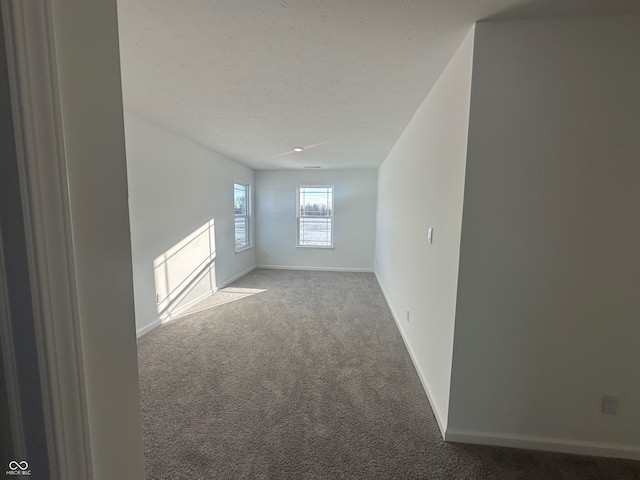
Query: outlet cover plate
[(610, 403)]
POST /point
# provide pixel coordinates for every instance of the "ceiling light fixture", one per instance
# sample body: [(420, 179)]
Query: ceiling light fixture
[(297, 149)]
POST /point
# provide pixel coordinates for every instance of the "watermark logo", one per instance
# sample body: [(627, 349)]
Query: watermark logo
[(18, 468)]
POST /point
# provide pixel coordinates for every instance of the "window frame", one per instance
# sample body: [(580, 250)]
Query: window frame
[(246, 216), (299, 216)]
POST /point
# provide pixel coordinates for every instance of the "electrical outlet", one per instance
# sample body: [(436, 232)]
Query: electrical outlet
[(266, 255), (407, 315), (610, 403)]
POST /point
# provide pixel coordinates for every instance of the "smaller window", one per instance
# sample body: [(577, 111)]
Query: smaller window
[(241, 205), (315, 216)]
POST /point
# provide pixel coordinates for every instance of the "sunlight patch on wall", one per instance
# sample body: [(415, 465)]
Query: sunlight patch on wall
[(185, 273)]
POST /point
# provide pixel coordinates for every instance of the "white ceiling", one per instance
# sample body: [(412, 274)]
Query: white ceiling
[(251, 79)]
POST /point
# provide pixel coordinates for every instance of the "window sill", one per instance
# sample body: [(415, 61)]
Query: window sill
[(245, 248), (329, 247)]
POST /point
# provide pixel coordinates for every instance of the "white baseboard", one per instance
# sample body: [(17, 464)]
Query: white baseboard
[(549, 444), (140, 332), (235, 277), (176, 313), (321, 269), (442, 424)]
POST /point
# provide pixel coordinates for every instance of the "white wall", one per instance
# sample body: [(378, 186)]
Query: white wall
[(420, 185), (354, 219), (548, 311), (91, 101), (175, 187)]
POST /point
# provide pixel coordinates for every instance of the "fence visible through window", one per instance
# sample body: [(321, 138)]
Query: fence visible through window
[(315, 216), (241, 205)]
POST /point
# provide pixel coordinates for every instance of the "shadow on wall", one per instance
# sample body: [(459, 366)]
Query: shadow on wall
[(185, 274)]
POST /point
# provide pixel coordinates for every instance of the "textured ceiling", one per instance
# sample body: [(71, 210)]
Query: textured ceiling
[(252, 79)]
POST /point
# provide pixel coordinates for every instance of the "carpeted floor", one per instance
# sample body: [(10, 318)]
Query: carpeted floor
[(303, 375)]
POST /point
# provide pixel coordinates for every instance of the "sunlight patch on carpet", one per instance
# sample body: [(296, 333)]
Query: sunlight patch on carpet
[(225, 295)]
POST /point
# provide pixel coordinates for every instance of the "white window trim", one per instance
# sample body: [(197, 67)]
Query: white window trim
[(332, 217), (249, 244)]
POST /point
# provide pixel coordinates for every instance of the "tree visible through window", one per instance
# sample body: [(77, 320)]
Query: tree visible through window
[(241, 207), (315, 216)]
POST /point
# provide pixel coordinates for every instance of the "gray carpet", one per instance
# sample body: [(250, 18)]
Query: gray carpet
[(303, 375)]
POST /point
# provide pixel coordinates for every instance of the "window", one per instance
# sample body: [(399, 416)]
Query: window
[(315, 216), (241, 205)]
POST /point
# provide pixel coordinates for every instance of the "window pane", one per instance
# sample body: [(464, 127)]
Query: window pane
[(241, 232), (316, 201), (315, 231), (240, 199)]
